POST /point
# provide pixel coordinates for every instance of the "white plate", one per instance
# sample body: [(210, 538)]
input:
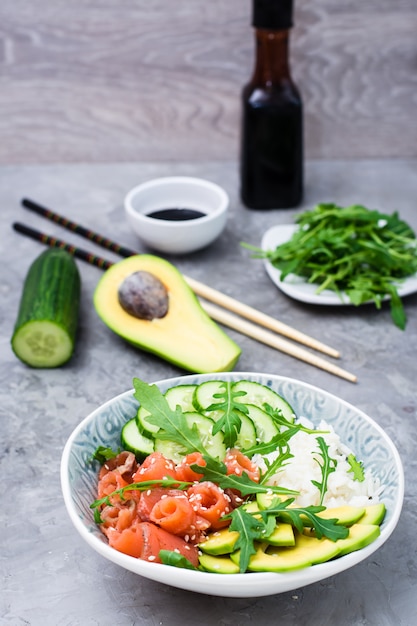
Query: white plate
[(297, 287), (362, 434)]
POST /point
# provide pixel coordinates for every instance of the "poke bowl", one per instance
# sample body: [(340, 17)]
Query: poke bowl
[(360, 436)]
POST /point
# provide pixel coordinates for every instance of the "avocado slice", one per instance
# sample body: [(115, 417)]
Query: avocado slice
[(360, 535), (218, 564), (346, 515), (185, 335), (308, 550), (282, 535), (219, 542), (374, 514)]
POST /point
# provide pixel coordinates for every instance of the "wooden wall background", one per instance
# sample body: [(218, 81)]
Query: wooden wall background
[(126, 80)]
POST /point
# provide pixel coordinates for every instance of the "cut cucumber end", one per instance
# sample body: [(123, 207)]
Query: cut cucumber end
[(42, 343)]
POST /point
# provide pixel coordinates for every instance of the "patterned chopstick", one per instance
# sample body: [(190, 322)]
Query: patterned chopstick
[(77, 228), (53, 242)]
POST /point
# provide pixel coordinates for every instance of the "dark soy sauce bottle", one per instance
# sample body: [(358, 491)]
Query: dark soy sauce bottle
[(272, 116)]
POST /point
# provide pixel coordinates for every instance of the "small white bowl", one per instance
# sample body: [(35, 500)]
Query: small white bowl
[(177, 237)]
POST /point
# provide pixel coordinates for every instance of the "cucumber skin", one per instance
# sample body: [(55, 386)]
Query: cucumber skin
[(51, 292)]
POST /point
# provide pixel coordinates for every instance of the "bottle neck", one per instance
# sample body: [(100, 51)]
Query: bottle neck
[(272, 57)]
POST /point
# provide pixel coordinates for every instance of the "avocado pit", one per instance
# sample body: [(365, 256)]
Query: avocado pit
[(144, 296)]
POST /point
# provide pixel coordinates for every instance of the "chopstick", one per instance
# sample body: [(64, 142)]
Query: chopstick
[(77, 228), (220, 315), (54, 242), (274, 341), (199, 288)]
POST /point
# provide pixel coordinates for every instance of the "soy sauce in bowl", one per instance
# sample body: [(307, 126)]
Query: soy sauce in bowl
[(176, 214)]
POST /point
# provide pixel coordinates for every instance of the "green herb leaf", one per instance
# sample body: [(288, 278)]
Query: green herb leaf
[(173, 424), (170, 483), (255, 526), (327, 466), (250, 529), (215, 471), (103, 454), (274, 466), (297, 517), (356, 467), (169, 557), (274, 444), (229, 421)]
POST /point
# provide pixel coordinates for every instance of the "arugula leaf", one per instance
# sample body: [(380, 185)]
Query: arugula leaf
[(256, 526), (97, 516), (169, 557), (356, 467), (323, 527), (274, 466), (273, 444), (327, 466), (216, 472), (172, 483), (103, 454), (251, 528), (229, 421), (173, 424), (281, 421)]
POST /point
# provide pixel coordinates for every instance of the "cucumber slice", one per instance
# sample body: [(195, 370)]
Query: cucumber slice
[(258, 394), (265, 427), (44, 332), (182, 396), (204, 394), (214, 444), (133, 441), (144, 426), (247, 434)]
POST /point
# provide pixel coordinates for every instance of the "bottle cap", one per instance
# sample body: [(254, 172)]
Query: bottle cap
[(272, 14)]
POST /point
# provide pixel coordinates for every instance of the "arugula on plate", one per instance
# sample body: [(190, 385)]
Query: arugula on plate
[(362, 253)]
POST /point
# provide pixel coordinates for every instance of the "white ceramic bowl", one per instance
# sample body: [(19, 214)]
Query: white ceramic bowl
[(363, 435), (177, 237)]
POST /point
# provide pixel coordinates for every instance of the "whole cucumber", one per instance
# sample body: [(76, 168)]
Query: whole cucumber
[(45, 329)]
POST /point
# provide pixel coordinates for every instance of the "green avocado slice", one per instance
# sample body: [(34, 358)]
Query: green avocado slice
[(218, 564), (308, 550), (374, 514)]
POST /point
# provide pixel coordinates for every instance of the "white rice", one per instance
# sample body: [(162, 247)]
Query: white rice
[(302, 468)]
